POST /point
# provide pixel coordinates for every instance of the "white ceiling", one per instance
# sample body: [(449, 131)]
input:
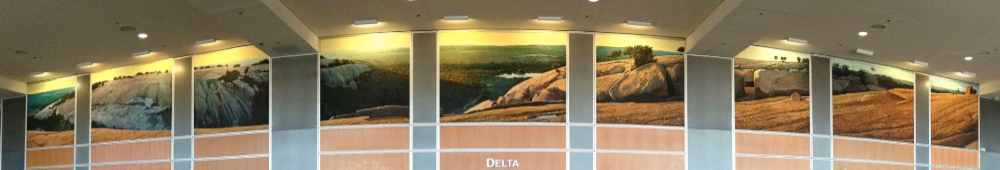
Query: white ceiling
[(941, 33), (673, 18), (64, 33)]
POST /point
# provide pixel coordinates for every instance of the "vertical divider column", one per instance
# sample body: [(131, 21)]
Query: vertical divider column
[(295, 124), (922, 121), (82, 122), (990, 140), (821, 119), (183, 114), (709, 116), (424, 134), (13, 121), (581, 100)]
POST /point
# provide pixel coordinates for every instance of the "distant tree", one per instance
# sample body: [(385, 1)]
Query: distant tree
[(230, 76), (680, 49), (799, 59), (614, 54), (775, 58), (805, 60), (783, 59), (237, 65), (641, 54)]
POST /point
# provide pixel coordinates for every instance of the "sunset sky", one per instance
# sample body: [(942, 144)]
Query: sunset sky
[(625, 40), (240, 54), (50, 85), (159, 65), (502, 38), (367, 42)]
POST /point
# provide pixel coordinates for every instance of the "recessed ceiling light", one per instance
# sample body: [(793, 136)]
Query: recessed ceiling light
[(920, 63), (967, 74), (127, 29), (863, 33), (37, 73), (366, 22), (593, 0), (796, 40), (639, 23), (865, 52), (85, 64), (141, 53), (877, 27), (143, 35), (205, 41), (549, 18), (456, 18), (968, 58), (20, 52)]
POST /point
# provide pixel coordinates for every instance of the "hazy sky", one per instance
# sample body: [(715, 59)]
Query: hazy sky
[(625, 40), (160, 65), (502, 38), (50, 85), (879, 69), (367, 42), (948, 83), (767, 54), (245, 55)]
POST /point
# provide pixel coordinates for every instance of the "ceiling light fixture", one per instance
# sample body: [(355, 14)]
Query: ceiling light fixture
[(968, 58), (638, 23), (85, 64), (865, 52), (37, 73), (456, 18), (205, 41), (366, 22), (920, 63), (863, 33), (796, 40), (143, 35), (967, 73), (549, 18), (593, 0), (141, 53)]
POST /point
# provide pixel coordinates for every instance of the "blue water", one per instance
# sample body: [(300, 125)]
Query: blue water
[(38, 101)]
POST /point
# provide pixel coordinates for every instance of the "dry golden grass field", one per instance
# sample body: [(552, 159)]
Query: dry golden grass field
[(780, 114), (663, 114), (539, 113), (955, 120), (886, 115)]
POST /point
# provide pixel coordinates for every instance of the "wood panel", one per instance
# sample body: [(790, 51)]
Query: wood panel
[(365, 139), (611, 161), (955, 158), (233, 164), (526, 161), (750, 163), (56, 169), (772, 144), (868, 166), (130, 152), (49, 157), (453, 137), (365, 161), (640, 139), (870, 150), (150, 166), (231, 145)]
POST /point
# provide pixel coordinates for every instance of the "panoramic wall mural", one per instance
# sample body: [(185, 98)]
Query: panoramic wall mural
[(365, 79), (130, 103), (872, 101), (772, 90), (502, 76), (954, 113), (640, 80), (231, 91), (51, 113)]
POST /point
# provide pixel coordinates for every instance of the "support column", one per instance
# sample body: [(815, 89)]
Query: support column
[(82, 128), (13, 129), (581, 101), (989, 139), (294, 126), (922, 121), (425, 107), (709, 115), (183, 113), (821, 113)]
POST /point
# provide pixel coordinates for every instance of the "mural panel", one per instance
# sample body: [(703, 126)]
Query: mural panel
[(130, 103), (872, 101), (365, 79), (640, 80), (954, 113), (231, 91), (51, 113), (772, 90), (502, 76)]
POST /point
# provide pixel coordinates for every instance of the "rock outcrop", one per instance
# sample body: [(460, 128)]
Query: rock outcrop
[(64, 108), (240, 102), (141, 102), (848, 84), (782, 83), (527, 90), (385, 111), (343, 75), (658, 81), (645, 83)]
